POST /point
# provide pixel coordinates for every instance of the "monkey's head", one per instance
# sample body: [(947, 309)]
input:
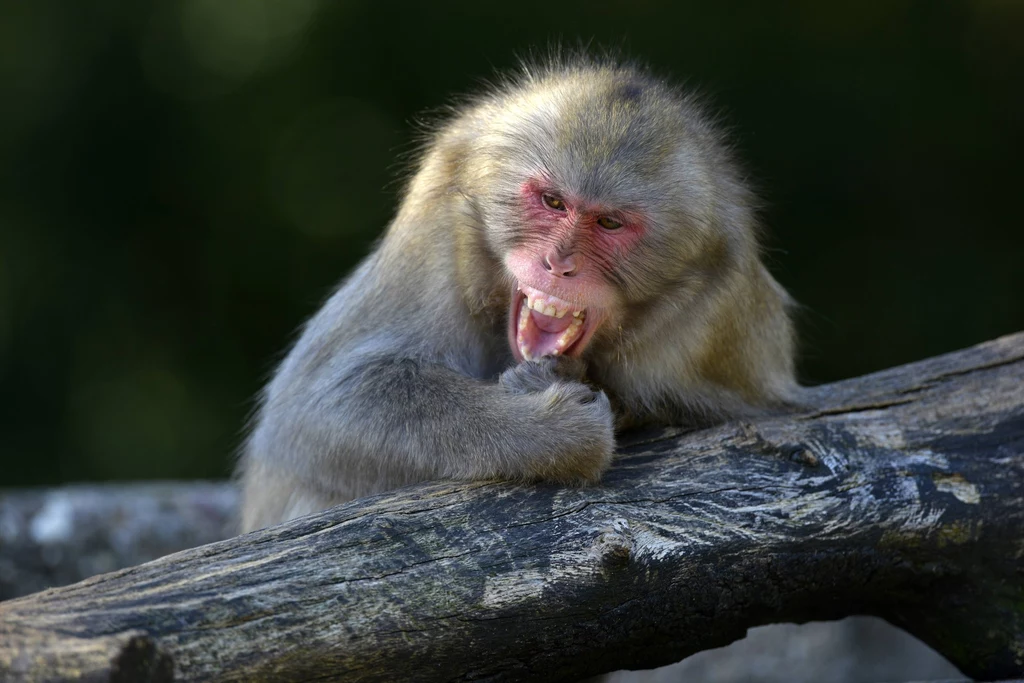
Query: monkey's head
[(608, 193)]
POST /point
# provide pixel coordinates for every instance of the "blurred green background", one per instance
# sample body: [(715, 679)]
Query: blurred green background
[(184, 182)]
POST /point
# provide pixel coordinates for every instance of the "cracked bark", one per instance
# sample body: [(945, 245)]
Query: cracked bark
[(898, 494)]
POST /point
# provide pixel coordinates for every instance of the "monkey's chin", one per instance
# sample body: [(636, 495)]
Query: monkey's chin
[(541, 324)]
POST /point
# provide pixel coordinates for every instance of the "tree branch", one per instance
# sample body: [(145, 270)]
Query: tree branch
[(900, 494)]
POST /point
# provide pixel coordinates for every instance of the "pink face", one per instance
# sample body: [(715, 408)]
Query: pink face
[(564, 266)]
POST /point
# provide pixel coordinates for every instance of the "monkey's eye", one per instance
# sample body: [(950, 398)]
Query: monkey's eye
[(553, 202), (608, 223)]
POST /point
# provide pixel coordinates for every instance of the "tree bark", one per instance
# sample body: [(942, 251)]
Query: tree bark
[(898, 494)]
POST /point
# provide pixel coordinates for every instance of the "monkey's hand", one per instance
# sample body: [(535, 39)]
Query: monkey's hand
[(537, 375), (411, 420), (574, 418)]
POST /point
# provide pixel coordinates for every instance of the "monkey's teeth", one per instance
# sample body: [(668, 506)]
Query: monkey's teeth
[(548, 309), (542, 328), (547, 304), (567, 338)]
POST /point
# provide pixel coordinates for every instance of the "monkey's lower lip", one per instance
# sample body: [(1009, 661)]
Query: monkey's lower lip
[(543, 325)]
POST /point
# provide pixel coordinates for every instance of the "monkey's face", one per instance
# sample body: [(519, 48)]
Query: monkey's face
[(603, 201), (564, 265)]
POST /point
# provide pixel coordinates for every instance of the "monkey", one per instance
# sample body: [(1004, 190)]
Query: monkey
[(575, 253)]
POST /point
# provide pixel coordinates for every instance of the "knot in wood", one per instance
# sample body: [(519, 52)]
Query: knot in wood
[(804, 456), (140, 660), (613, 545)]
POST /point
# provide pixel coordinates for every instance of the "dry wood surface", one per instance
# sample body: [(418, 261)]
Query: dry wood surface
[(899, 494)]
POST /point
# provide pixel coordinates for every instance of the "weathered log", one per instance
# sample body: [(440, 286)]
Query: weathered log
[(53, 537), (900, 494)]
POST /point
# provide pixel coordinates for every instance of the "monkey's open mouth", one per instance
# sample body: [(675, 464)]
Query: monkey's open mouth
[(544, 325)]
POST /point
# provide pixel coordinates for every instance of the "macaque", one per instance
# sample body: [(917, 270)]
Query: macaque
[(575, 253)]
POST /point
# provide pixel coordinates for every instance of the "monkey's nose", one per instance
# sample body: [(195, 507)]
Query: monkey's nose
[(561, 266)]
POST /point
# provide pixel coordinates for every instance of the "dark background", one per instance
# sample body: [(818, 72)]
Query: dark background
[(182, 183)]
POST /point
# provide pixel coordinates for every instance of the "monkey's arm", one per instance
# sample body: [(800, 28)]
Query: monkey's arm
[(398, 420)]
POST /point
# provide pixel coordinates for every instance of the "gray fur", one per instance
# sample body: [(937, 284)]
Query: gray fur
[(405, 374)]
